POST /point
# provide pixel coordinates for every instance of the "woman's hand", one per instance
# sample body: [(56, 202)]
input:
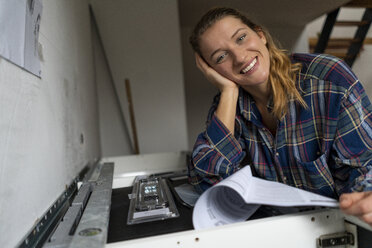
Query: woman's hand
[(358, 204), (229, 93), (214, 77)]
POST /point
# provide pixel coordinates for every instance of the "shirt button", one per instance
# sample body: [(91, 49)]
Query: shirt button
[(277, 154)]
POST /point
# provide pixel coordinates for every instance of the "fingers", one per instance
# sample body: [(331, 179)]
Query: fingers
[(358, 204), (208, 71), (221, 82), (346, 200), (200, 63), (367, 218)]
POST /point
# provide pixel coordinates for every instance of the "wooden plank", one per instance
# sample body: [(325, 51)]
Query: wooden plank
[(351, 23), (132, 117), (338, 42), (359, 4)]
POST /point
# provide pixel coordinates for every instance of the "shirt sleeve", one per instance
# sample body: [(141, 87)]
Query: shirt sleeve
[(353, 142), (217, 153)]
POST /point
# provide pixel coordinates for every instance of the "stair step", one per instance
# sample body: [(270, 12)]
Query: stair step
[(338, 42), (351, 23), (359, 4), (339, 46), (338, 54)]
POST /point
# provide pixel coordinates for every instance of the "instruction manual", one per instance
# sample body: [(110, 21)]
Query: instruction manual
[(19, 36), (237, 197)]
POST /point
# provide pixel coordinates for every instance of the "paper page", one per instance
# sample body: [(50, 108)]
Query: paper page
[(237, 197), (239, 181), (279, 194), (31, 49), (12, 35), (220, 205), (224, 203), (19, 36)]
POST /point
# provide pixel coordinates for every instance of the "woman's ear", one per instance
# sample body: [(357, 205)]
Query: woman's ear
[(261, 34)]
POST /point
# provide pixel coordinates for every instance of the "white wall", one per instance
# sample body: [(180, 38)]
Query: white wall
[(142, 43), (42, 120), (114, 132), (362, 65)]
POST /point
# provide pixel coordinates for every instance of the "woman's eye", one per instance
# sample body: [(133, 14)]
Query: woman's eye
[(220, 58), (242, 37)]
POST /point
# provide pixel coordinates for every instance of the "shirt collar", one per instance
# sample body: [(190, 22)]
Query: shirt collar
[(248, 109)]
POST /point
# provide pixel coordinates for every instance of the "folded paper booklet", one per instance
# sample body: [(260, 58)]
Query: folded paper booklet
[(237, 197)]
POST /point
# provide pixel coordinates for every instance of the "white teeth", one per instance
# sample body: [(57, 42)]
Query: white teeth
[(250, 66)]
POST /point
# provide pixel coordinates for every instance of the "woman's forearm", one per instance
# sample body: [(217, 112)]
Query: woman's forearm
[(226, 109)]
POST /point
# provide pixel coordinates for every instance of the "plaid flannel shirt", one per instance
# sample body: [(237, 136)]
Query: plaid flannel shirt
[(326, 148)]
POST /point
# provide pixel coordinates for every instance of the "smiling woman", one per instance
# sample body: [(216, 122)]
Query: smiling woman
[(245, 35), (300, 119)]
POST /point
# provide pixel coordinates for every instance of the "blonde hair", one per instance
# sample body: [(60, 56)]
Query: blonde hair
[(282, 78), (283, 72)]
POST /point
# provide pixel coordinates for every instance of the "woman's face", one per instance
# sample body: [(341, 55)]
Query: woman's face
[(236, 51)]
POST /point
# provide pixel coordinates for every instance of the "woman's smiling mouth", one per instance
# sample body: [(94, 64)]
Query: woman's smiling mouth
[(249, 67)]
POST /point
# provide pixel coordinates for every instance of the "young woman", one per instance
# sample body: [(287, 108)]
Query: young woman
[(301, 119)]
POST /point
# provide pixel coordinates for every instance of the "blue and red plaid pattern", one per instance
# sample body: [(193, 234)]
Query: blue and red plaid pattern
[(325, 148)]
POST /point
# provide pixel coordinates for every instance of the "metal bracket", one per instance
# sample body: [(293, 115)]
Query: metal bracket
[(86, 221), (79, 217), (335, 239), (43, 228)]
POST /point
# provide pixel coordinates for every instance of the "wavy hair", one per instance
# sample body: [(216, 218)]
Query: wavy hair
[(282, 77)]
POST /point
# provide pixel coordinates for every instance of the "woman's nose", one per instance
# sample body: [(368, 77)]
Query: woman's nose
[(239, 56)]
